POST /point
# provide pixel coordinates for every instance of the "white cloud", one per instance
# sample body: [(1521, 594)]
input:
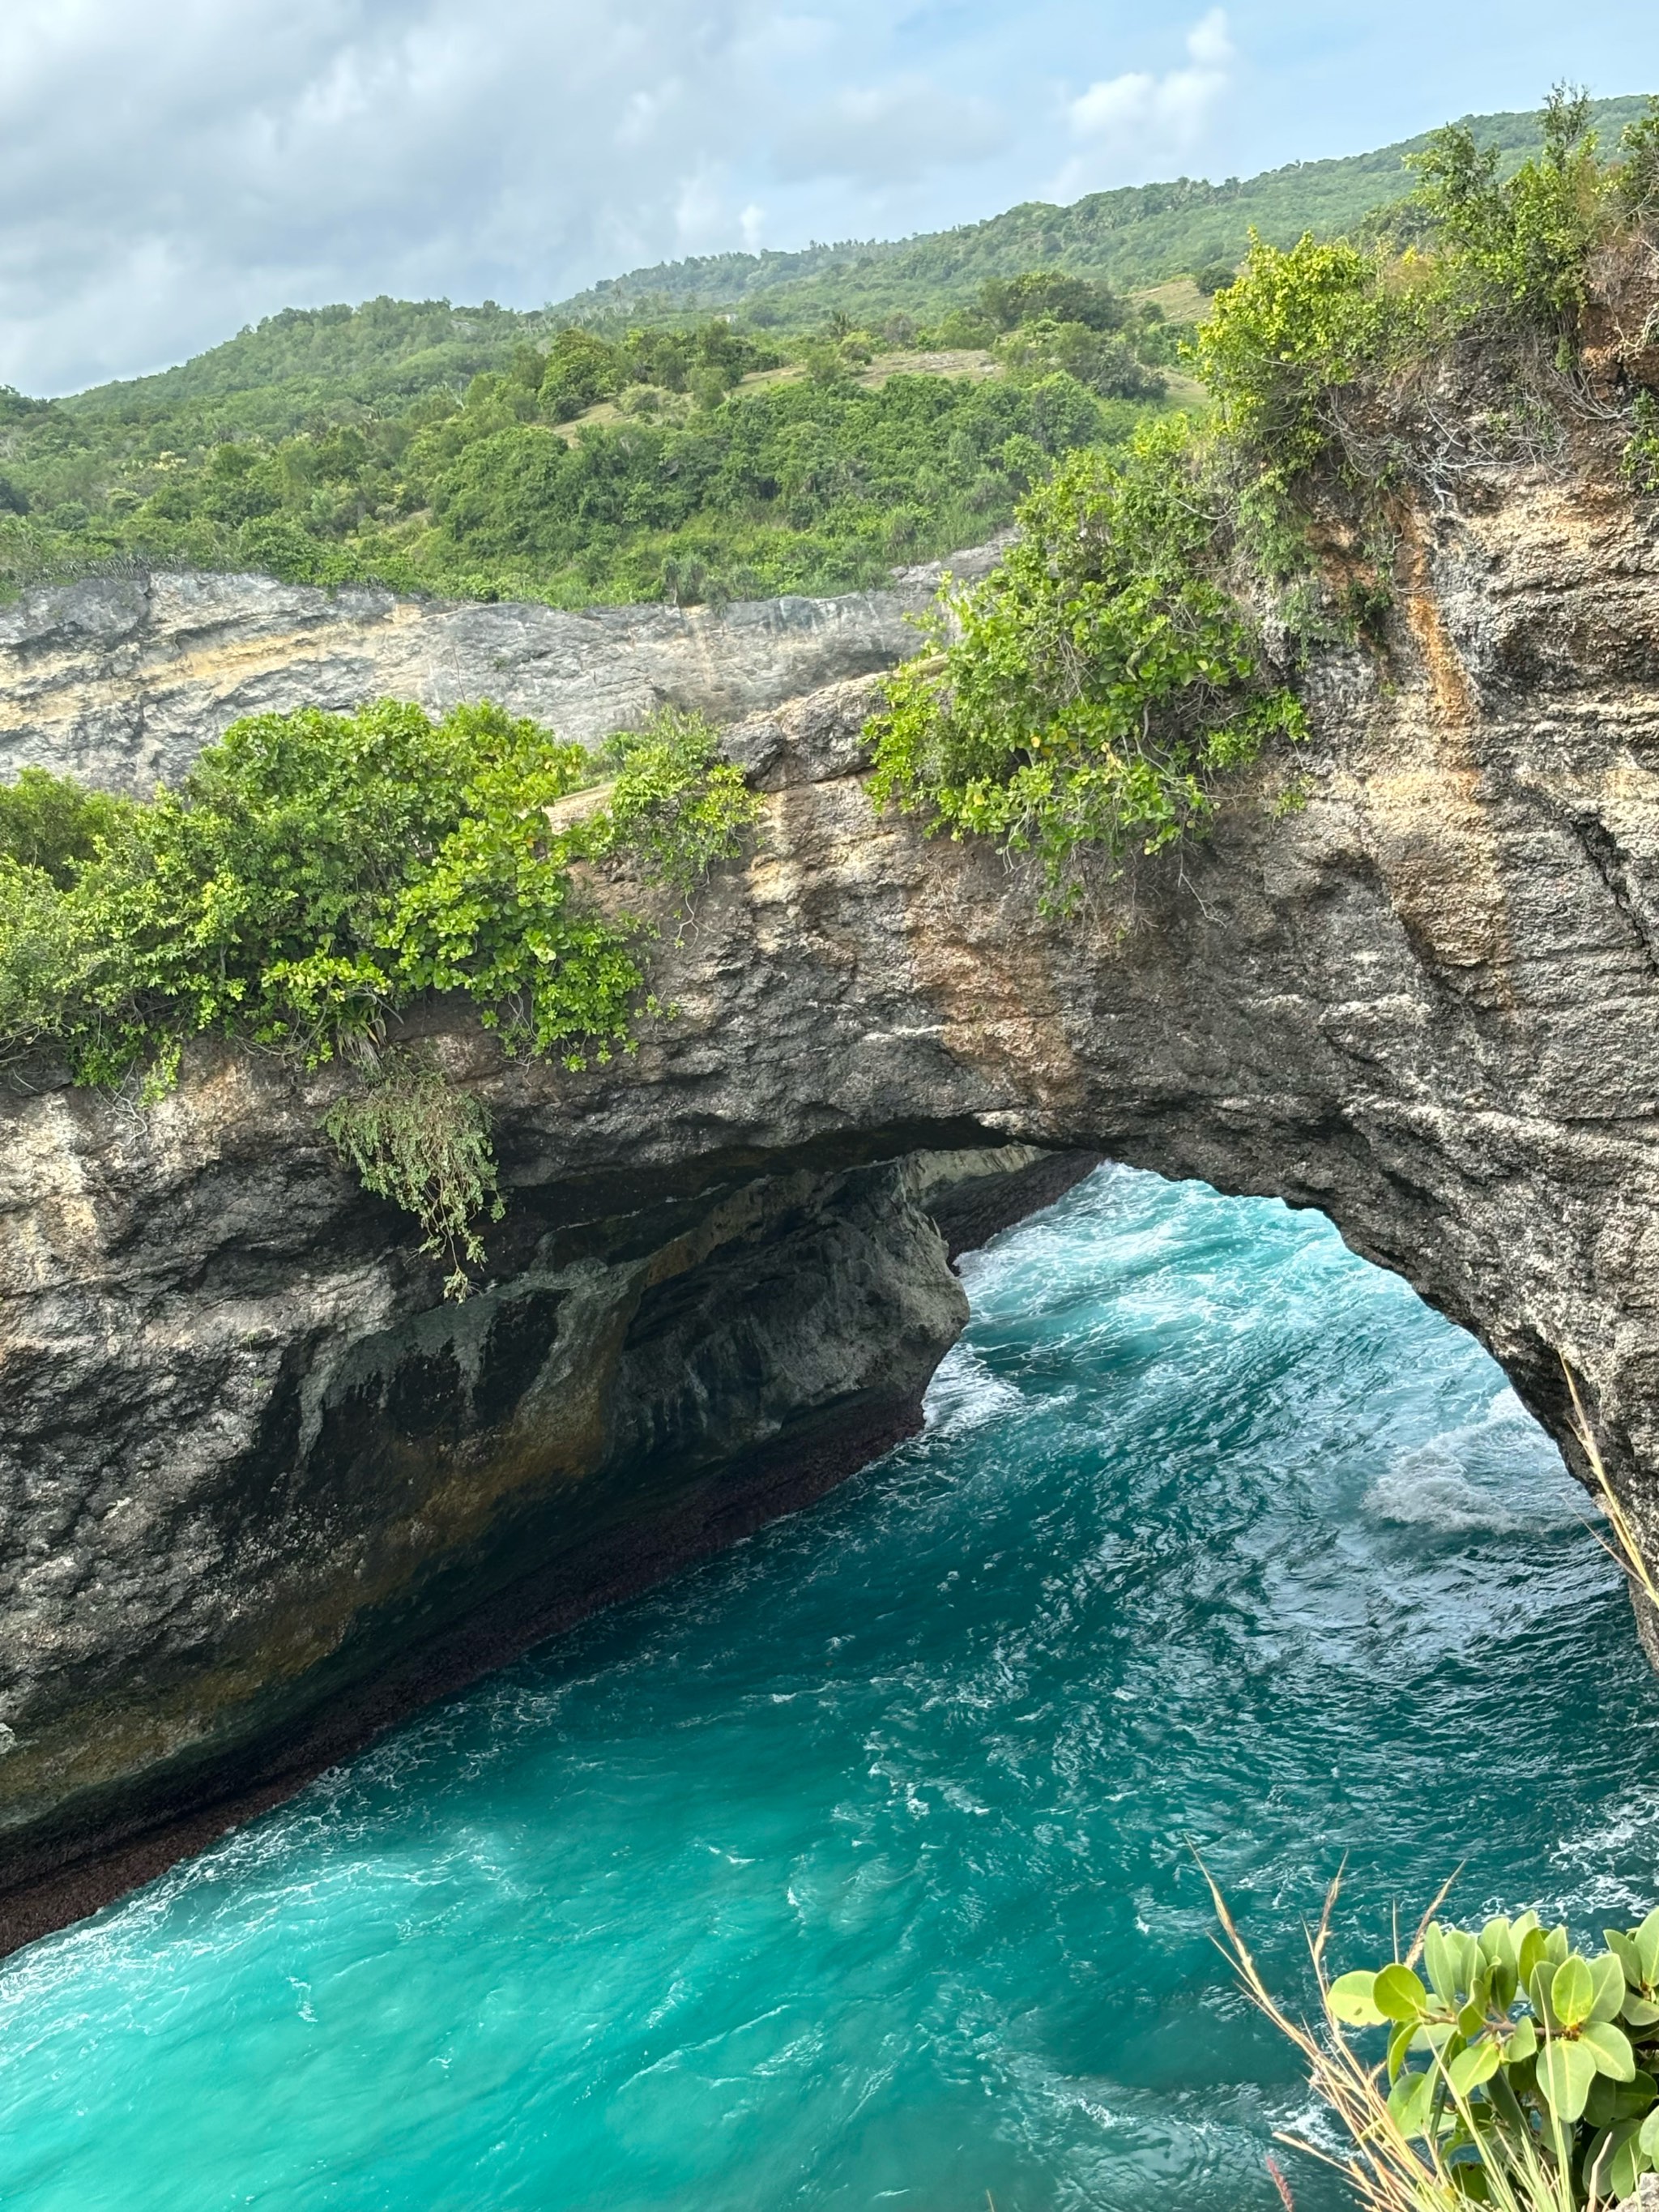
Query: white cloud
[(170, 170), (1137, 125), (887, 134)]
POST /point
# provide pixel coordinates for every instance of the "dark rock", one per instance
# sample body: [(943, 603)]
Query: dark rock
[(261, 1489)]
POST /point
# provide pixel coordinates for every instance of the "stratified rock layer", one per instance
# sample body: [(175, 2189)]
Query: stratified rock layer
[(122, 681), (259, 1477)]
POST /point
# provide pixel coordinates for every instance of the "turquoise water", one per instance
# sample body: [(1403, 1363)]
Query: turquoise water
[(853, 1868)]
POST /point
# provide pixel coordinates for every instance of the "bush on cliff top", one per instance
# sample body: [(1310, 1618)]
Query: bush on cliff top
[(1088, 692), (314, 874), (1499, 263)]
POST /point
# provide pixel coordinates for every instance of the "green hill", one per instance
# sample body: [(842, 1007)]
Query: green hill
[(738, 424), (1137, 236), (338, 361)]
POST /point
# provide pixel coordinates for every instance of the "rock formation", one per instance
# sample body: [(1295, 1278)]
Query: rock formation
[(121, 681), (263, 1488)]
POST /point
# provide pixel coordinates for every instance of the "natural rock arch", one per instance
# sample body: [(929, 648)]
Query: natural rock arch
[(264, 1491)]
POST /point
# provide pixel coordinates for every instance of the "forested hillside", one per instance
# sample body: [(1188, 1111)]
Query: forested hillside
[(742, 424), (691, 462), (1134, 237)]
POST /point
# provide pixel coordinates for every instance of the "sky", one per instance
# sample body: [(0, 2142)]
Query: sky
[(171, 170)]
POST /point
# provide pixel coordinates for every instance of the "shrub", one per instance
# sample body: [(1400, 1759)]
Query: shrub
[(1524, 241), (1100, 680), (1293, 326), (1536, 2088), (316, 872), (1637, 182), (417, 1139), (53, 823)]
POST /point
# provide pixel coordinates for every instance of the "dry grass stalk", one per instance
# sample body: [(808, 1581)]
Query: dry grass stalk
[(1629, 1554), (1387, 2170)]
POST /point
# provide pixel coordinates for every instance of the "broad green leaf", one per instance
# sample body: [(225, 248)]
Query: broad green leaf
[(1398, 1995), (1598, 2161), (1650, 2134), (1353, 2002), (1440, 1961), (1504, 1983), (1647, 1947), (1398, 2043), (1408, 2102), (1557, 1946), (1602, 2105), (1521, 2044), (1497, 1942), (1628, 2161), (1566, 2071), (1473, 2066), (1537, 1995), (1611, 2046), (1640, 2012), (1573, 1993), (1615, 2162), (1465, 1955), (1531, 1955), (1631, 2099), (1609, 1975), (1623, 1949), (1522, 1925), (1471, 2020)]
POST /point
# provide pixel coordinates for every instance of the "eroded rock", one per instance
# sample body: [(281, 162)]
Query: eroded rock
[(262, 1489)]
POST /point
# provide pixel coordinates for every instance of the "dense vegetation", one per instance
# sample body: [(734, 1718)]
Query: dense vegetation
[(314, 874), (714, 467), (1085, 694), (1138, 235), (1319, 357), (1095, 683), (724, 425)]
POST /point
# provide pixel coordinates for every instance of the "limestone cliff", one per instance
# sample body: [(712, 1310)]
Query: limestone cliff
[(263, 1488), (121, 681)]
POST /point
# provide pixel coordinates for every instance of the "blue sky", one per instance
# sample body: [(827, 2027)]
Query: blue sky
[(169, 173)]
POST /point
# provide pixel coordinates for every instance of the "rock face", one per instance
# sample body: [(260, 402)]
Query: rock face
[(121, 682), (263, 1487)]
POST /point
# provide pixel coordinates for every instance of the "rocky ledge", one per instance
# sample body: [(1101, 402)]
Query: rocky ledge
[(121, 681), (263, 1490)]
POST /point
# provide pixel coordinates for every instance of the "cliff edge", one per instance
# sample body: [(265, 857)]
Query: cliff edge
[(262, 1489)]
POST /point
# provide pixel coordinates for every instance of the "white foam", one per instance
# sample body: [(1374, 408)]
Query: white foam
[(1428, 1489), (965, 1395), (1497, 1472)]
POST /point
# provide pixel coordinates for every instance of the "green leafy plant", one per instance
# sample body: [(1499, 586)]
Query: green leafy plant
[(422, 1141), (1524, 240), (1088, 692), (53, 824), (314, 874), (1638, 182), (1287, 330), (1639, 464), (674, 804), (1534, 2087)]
